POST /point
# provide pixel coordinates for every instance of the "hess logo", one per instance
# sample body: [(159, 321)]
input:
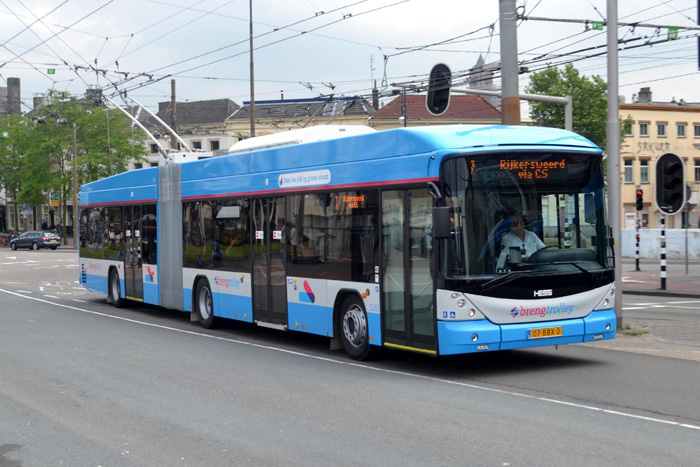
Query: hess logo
[(543, 293)]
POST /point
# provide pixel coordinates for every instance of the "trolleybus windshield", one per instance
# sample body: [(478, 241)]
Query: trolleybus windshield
[(524, 211)]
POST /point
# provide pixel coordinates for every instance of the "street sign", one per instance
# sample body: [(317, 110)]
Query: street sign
[(55, 198), (51, 71)]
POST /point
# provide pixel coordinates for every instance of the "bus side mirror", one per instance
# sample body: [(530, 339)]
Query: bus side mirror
[(442, 227)]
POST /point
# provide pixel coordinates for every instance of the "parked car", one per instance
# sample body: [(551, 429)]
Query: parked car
[(35, 239)]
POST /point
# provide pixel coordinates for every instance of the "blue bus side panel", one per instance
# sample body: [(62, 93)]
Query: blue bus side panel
[(310, 318), (596, 323), (150, 293), (187, 299), (95, 283), (233, 306), (374, 324)]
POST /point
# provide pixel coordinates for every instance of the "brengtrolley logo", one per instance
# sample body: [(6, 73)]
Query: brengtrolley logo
[(543, 311), (234, 283), (149, 274)]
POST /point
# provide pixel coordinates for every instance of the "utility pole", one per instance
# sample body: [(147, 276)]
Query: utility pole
[(510, 102), (173, 120), (252, 76), (613, 149), (75, 189)]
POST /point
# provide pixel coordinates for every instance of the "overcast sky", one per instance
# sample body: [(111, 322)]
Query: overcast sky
[(309, 48)]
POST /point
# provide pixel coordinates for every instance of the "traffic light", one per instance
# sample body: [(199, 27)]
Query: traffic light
[(670, 183), (438, 98), (640, 200)]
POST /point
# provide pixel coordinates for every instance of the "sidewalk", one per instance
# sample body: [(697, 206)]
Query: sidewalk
[(647, 281)]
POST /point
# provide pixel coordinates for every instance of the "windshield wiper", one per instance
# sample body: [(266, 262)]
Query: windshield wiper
[(586, 272), (502, 280), (505, 279)]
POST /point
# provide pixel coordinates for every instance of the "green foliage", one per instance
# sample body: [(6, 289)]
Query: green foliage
[(36, 157), (590, 102)]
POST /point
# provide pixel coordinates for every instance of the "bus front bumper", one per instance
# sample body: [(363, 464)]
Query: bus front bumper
[(460, 337)]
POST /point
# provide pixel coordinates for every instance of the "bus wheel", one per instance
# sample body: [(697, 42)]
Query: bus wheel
[(115, 291), (354, 330), (204, 304)]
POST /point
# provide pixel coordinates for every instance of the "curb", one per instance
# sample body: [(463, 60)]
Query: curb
[(661, 293)]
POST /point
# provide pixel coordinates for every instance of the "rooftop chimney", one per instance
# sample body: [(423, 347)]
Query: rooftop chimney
[(644, 96)]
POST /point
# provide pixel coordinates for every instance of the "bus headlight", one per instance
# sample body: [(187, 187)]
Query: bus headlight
[(461, 302), (471, 313), (475, 337)]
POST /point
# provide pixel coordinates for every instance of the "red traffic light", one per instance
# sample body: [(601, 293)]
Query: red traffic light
[(640, 192)]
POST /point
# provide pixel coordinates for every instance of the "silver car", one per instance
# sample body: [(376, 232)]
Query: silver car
[(35, 239)]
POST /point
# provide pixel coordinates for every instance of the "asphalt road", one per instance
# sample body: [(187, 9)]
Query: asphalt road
[(82, 383)]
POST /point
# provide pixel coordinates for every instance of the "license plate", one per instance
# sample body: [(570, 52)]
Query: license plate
[(544, 332), (52, 241)]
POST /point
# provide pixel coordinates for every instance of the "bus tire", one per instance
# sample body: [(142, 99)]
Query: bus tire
[(354, 329), (204, 304), (115, 289)]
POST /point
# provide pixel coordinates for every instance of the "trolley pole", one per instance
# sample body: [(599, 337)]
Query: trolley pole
[(663, 251)]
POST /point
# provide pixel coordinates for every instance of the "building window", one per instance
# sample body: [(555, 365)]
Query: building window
[(138, 165), (154, 164), (661, 130), (696, 128), (643, 129), (644, 171), (196, 145), (697, 170), (213, 145), (154, 149), (630, 132), (681, 130), (629, 175)]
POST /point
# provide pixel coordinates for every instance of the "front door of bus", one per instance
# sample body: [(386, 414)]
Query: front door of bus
[(269, 281), (407, 285), (133, 274)]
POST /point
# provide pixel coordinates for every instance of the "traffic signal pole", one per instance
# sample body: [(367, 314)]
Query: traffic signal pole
[(613, 150), (639, 206), (663, 251)]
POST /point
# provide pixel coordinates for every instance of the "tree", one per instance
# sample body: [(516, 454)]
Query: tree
[(36, 158), (590, 102)]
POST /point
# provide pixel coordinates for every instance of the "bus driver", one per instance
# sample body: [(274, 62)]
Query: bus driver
[(519, 237)]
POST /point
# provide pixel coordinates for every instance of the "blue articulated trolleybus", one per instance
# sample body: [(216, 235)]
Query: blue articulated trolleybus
[(392, 238)]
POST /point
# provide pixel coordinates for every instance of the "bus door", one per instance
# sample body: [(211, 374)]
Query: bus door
[(407, 285), (133, 275), (269, 277)]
